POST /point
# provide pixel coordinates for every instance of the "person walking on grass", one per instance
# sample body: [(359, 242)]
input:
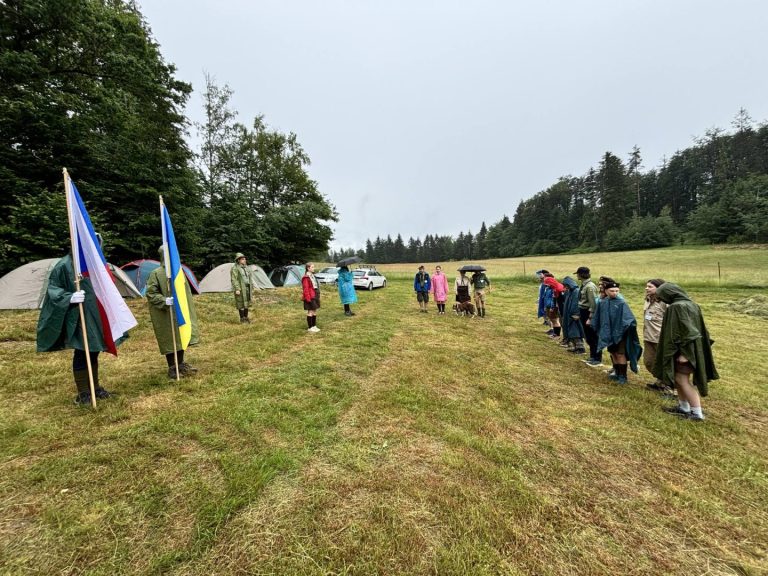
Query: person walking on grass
[(439, 289), (653, 315), (421, 285), (347, 293), (481, 283), (160, 303), (684, 352), (241, 279), (310, 295), (573, 331), (617, 331), (588, 295)]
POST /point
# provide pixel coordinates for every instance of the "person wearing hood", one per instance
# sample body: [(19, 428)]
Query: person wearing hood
[(347, 293), (241, 277), (573, 331), (616, 329), (439, 289), (540, 311), (553, 293), (161, 307), (684, 352), (59, 327)]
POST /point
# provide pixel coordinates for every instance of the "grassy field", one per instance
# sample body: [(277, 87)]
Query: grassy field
[(392, 442)]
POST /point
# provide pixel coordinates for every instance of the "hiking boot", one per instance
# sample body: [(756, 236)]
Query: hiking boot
[(592, 363), (656, 386), (621, 380), (695, 417), (676, 411), (83, 398), (578, 351), (172, 373), (101, 393), (613, 376), (348, 313), (187, 369)]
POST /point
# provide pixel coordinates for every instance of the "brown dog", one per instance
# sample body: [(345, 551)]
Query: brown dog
[(464, 309)]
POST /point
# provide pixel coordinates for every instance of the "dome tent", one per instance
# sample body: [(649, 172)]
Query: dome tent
[(218, 279), (138, 271), (25, 287)]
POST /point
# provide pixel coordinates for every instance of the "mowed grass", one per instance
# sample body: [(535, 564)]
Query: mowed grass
[(392, 442)]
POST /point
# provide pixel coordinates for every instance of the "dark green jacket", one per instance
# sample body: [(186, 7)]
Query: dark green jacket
[(58, 326), (683, 332), (157, 292)]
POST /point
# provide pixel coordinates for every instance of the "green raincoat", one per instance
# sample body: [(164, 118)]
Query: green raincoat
[(58, 326), (683, 332), (157, 292), (242, 281)]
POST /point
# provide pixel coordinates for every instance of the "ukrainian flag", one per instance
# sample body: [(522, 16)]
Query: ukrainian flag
[(175, 275)]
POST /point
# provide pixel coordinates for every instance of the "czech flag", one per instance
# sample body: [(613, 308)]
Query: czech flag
[(175, 275), (89, 262)]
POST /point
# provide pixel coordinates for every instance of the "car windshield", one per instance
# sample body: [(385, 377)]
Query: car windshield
[(359, 273), (328, 271)]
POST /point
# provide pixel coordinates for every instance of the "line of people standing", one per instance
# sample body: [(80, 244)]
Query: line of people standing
[(677, 344), (437, 286)]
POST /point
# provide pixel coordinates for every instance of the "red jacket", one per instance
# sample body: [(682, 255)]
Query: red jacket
[(308, 290), (557, 288)]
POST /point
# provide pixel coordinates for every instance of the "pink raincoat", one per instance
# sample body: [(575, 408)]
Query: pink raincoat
[(439, 287)]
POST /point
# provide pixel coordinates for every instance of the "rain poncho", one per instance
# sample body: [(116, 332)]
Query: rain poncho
[(683, 332)]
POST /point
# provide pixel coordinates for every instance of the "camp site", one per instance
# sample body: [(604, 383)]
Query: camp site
[(538, 345)]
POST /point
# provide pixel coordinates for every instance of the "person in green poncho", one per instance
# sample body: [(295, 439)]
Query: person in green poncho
[(160, 302), (58, 326), (684, 352), (242, 286)]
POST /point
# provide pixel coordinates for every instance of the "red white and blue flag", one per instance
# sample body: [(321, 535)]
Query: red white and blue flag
[(88, 262)]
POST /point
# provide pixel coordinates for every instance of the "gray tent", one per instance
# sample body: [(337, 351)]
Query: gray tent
[(217, 280), (25, 287), (287, 275)]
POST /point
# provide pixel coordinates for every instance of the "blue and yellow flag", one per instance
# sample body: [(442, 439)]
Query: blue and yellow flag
[(175, 275)]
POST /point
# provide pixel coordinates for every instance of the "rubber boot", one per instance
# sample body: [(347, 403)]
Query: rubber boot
[(100, 392), (83, 387), (245, 316)]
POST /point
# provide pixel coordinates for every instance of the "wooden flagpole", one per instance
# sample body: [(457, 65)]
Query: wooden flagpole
[(76, 258), (167, 264)]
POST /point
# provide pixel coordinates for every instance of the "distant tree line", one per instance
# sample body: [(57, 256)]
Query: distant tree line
[(715, 191), (83, 85)]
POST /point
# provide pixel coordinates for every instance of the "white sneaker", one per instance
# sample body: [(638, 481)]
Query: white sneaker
[(313, 329)]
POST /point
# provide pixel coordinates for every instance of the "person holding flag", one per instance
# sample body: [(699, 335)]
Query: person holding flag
[(83, 309), (171, 308)]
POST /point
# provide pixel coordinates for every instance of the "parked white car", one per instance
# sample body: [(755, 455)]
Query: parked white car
[(328, 275), (368, 278)]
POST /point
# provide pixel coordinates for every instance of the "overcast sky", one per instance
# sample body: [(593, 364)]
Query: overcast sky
[(433, 116)]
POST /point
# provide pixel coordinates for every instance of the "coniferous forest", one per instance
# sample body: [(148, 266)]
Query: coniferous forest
[(715, 191)]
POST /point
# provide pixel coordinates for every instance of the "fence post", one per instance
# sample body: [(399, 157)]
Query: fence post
[(718, 274), (524, 274)]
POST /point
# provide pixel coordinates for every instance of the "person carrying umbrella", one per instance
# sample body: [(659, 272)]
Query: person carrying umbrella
[(481, 283)]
